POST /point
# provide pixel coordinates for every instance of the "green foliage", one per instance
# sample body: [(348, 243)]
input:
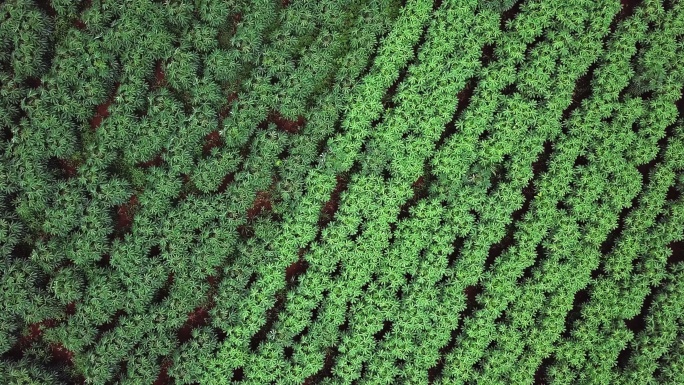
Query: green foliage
[(328, 192), (497, 5), (67, 285)]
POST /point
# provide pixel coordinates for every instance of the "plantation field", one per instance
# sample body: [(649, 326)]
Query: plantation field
[(259, 192)]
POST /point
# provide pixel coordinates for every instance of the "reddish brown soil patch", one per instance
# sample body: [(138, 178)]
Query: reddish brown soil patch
[(486, 57), (677, 255), (418, 184), (646, 168), (156, 162), (211, 141), (295, 270), (213, 280), (238, 374), (46, 6), (225, 110), (539, 167), (63, 168), (628, 7), (200, 316), (326, 371), (187, 188), (680, 104), (540, 373), (125, 214), (284, 124), (623, 357), (70, 309), (386, 328), (332, 205), (69, 167), (237, 18), (63, 358), (388, 98), (35, 332), (197, 318), (510, 14), (471, 293), (464, 96), (103, 263), (298, 338), (245, 231), (155, 251), (109, 326), (159, 75), (581, 297), (637, 323), (163, 292), (84, 5), (673, 193), (436, 371), (102, 110), (612, 237), (451, 259), (33, 82), (582, 91), (420, 190), (229, 29), (163, 378), (78, 23), (271, 317), (61, 354), (496, 249), (262, 203), (228, 179)]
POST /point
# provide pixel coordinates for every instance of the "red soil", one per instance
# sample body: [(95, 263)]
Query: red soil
[(159, 75), (126, 212), (326, 371), (225, 110), (197, 318), (471, 293), (71, 309), (69, 167), (84, 5), (237, 18), (61, 354), (283, 124), (295, 269), (262, 203), (212, 140), (33, 82), (34, 334), (157, 161), (163, 378), (228, 179), (78, 23), (104, 262), (330, 207), (102, 110), (46, 6)]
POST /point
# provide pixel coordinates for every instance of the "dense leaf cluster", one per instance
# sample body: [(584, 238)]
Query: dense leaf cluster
[(341, 192)]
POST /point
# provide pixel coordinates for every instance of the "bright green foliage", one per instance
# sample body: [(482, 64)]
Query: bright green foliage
[(341, 192)]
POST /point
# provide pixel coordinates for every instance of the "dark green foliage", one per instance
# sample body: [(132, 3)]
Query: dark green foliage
[(497, 5), (300, 192)]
